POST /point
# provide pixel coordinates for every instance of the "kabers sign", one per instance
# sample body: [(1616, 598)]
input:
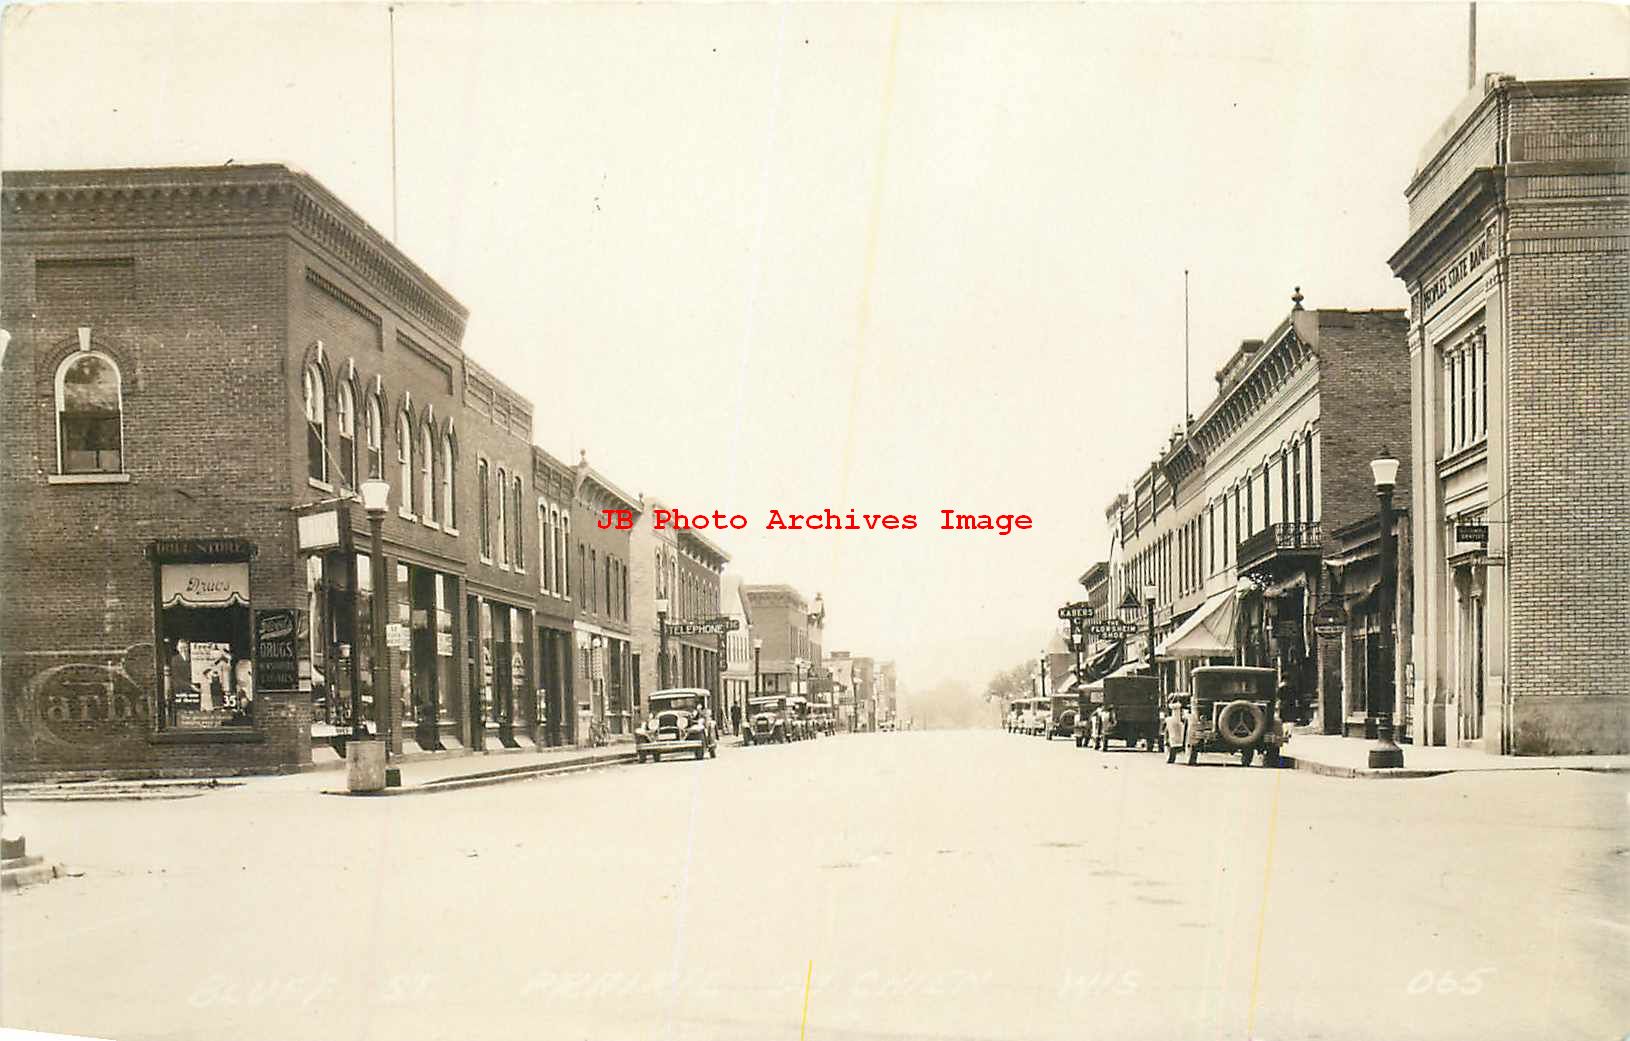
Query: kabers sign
[(1079, 609)]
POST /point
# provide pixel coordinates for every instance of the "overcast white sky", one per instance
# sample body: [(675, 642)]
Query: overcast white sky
[(882, 258)]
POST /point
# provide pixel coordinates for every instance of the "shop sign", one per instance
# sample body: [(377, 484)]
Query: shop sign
[(203, 585), (86, 702), (1080, 609), (200, 549), (1472, 533), (444, 644), (1113, 629), (277, 649), (318, 530), (1330, 620), (396, 636)]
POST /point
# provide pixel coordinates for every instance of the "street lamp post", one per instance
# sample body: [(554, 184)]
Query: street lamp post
[(375, 500), (758, 677), (662, 640), (1386, 753), (1149, 592)]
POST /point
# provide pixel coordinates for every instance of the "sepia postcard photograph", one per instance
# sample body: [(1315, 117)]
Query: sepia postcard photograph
[(814, 521)]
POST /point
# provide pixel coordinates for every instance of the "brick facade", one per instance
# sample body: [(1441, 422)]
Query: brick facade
[(213, 291), (1519, 258)]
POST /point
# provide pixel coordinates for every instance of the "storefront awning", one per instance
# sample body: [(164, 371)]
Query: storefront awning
[(203, 585), (1207, 633)]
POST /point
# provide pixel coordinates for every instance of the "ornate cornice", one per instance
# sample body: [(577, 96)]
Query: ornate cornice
[(1274, 367), (227, 196)]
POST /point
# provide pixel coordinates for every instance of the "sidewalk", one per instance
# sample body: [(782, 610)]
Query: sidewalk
[(439, 772), (1349, 757)]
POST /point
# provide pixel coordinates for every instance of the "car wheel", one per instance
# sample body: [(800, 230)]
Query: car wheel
[(700, 752), (1194, 756), (1272, 759), (1078, 742), (1246, 755), (1171, 756), (713, 750), (656, 757), (640, 756)]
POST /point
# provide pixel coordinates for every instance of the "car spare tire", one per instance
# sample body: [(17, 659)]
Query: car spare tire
[(1241, 724)]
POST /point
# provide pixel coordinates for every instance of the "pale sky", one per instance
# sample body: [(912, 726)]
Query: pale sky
[(893, 259)]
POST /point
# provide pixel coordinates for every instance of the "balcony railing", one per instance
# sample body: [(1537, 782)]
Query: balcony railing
[(1279, 539)]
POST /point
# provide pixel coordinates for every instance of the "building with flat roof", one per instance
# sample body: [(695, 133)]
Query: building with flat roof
[(1517, 264)]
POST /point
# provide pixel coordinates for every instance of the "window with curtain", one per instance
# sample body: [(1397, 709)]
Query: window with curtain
[(503, 517), (346, 415), (427, 473), (484, 509), (90, 414), (316, 424), (517, 512), (449, 467), (376, 438), (404, 459)]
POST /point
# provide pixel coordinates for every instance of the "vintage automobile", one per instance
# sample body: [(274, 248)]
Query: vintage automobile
[(679, 720), (766, 721), (1134, 704), (1234, 709), (798, 723), (1061, 718), (1037, 716)]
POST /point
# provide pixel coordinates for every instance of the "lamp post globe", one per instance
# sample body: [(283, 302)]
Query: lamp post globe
[(1386, 754)]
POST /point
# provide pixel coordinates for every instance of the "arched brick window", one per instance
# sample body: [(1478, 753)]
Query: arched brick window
[(346, 414), (90, 415), (316, 423)]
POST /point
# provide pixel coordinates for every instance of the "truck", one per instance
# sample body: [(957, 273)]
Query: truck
[(1134, 705)]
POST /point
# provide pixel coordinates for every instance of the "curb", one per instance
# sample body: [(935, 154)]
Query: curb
[(27, 871), (1405, 774), (128, 791), (494, 777)]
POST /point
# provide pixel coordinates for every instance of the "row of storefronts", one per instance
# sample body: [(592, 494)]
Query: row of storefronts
[(1256, 536), (194, 581)]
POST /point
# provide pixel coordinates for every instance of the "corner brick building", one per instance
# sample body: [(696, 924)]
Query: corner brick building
[(203, 365), (1518, 270), (1231, 524)]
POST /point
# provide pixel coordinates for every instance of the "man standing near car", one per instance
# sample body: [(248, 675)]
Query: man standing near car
[(1176, 728)]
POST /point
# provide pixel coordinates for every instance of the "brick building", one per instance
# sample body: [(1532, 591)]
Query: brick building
[(203, 365), (684, 569), (606, 679), (781, 618), (555, 486), (1227, 524), (1518, 269)]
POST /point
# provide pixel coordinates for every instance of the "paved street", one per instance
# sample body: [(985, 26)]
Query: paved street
[(943, 884)]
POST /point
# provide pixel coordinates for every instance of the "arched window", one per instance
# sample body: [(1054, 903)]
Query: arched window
[(90, 415), (316, 423), (427, 472), (503, 518), (404, 459), (376, 439), (520, 532), (484, 508), (346, 413), (449, 512)]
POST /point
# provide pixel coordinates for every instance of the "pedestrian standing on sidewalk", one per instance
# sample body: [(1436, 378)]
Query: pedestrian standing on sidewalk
[(735, 717), (1176, 728)]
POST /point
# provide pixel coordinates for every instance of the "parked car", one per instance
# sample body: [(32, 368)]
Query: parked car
[(766, 721), (678, 720), (1061, 716), (1038, 716), (1134, 706), (1233, 709)]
